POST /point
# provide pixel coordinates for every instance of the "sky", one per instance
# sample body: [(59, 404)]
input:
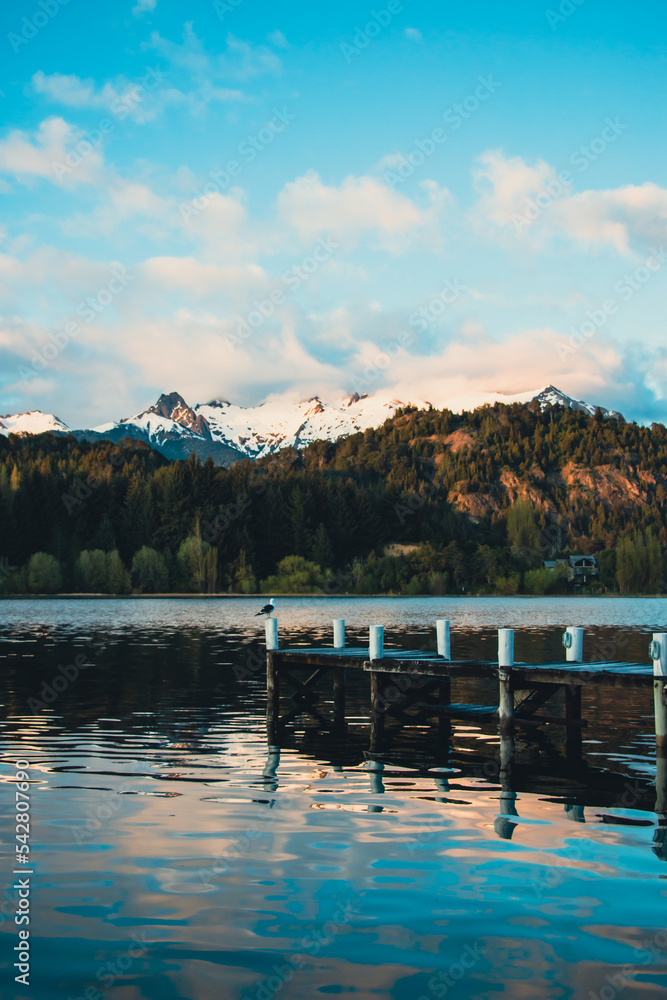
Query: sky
[(237, 198)]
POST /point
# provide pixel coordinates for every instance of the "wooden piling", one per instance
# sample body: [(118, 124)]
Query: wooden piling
[(271, 630), (339, 633), (661, 783), (272, 677), (574, 645), (443, 634), (505, 647), (573, 716), (378, 708), (272, 690), (505, 682), (658, 651), (339, 696), (444, 640), (376, 642)]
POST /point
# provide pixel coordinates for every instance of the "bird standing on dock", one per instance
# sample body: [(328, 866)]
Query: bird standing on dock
[(267, 609)]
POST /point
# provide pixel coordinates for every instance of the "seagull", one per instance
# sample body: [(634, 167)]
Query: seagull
[(267, 609)]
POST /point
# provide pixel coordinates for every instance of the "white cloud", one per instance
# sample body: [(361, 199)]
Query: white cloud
[(123, 200), (139, 99), (239, 62), (415, 34), (50, 152), (199, 279), (278, 39), (192, 80), (359, 205), (143, 7), (532, 202), (506, 185)]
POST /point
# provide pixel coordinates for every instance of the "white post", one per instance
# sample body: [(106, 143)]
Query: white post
[(271, 633), (659, 654), (339, 633), (505, 693), (505, 647), (658, 651), (574, 651), (376, 642), (444, 642)]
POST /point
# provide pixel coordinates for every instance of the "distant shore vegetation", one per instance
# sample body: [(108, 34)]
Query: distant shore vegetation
[(430, 503)]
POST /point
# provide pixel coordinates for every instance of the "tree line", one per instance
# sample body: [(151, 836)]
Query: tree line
[(408, 507)]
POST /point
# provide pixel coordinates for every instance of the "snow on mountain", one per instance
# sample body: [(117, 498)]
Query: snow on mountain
[(228, 432), (554, 397), (34, 422), (287, 421)]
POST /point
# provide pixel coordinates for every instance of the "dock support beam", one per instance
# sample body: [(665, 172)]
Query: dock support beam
[(272, 692), (339, 673), (272, 677), (378, 707), (506, 692), (339, 696), (445, 689), (573, 715), (658, 651), (573, 641)]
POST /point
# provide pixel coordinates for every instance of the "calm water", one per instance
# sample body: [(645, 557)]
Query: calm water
[(176, 855)]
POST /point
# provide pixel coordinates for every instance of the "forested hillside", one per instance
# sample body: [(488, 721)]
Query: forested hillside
[(431, 502)]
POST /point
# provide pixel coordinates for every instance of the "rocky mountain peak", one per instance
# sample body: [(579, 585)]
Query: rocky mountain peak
[(172, 406)]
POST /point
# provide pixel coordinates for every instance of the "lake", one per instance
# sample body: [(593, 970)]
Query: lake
[(176, 855)]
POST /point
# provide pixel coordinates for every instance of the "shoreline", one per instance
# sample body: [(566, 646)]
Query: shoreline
[(327, 597)]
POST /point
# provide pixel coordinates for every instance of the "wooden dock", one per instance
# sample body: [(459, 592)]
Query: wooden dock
[(400, 679)]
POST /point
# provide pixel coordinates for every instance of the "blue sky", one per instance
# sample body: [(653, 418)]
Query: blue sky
[(239, 198)]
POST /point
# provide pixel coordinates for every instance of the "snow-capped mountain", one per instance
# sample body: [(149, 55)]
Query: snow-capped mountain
[(34, 422), (228, 432), (554, 397)]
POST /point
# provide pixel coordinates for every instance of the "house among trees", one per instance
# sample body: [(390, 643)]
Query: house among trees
[(583, 570)]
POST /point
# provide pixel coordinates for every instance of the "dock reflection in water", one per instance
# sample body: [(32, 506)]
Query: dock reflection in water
[(178, 854)]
